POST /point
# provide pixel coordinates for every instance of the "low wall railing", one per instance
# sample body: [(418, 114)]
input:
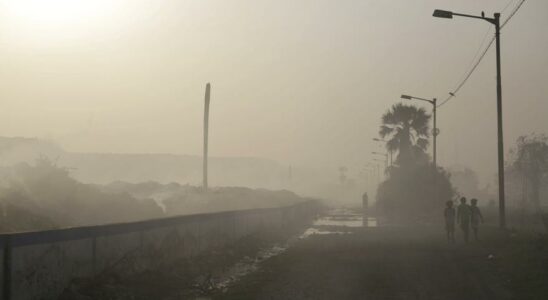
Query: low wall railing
[(39, 265)]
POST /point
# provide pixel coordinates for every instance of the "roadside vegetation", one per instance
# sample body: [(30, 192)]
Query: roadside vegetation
[(43, 196)]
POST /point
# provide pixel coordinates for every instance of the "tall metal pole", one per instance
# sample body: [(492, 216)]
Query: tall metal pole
[(500, 145), (435, 154), (435, 133), (502, 210), (206, 134)]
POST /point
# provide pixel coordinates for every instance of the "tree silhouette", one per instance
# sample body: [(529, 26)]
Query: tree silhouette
[(532, 162), (405, 127)]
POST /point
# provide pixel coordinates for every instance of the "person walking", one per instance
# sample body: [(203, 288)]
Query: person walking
[(476, 217), (365, 209), (449, 214), (464, 214)]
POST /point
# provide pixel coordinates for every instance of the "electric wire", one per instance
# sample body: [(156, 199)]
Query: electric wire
[(478, 61)]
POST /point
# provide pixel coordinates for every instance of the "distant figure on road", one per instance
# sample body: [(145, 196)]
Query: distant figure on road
[(464, 214), (365, 202), (449, 215), (476, 217), (365, 205)]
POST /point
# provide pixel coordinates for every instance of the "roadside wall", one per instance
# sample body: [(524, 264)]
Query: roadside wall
[(39, 265)]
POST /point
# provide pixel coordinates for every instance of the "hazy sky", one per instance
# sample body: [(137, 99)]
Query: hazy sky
[(302, 82)]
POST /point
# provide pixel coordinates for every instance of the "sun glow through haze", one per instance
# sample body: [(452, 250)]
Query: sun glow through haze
[(289, 78), (56, 19), (56, 12)]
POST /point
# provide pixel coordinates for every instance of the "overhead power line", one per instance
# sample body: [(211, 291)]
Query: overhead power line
[(483, 53), (512, 13)]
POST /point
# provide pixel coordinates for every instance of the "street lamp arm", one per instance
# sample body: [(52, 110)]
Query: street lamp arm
[(438, 13), (475, 17), (417, 98), (429, 101)]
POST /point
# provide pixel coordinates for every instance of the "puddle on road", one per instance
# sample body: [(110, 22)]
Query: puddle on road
[(346, 220), (313, 231), (371, 222), (338, 221), (350, 222)]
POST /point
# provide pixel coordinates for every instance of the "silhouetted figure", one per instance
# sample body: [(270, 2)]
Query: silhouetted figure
[(464, 214), (476, 217), (449, 215), (365, 205), (365, 202)]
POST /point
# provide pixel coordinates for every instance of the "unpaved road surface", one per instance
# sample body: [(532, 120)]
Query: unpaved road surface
[(378, 263)]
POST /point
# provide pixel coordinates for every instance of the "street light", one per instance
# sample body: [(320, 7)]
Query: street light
[(495, 21), (438, 13), (435, 131), (389, 151), (385, 156), (377, 169)]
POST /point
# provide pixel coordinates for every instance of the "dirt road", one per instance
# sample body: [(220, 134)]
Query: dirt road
[(379, 263)]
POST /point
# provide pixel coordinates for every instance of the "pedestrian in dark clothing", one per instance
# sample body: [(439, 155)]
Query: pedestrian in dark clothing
[(365, 210), (449, 214), (476, 217), (464, 214), (365, 203)]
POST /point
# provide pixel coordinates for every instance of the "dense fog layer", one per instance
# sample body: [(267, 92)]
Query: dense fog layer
[(301, 83), (113, 94)]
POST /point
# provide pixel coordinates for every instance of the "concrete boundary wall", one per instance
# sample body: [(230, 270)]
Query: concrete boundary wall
[(39, 265)]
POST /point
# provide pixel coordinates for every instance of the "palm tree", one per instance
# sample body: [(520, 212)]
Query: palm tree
[(406, 128)]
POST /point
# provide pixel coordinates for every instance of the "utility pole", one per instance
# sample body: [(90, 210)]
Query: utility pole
[(435, 132), (502, 200), (435, 135), (206, 134)]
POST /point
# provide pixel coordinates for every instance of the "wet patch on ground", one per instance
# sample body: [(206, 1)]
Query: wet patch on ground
[(197, 277)]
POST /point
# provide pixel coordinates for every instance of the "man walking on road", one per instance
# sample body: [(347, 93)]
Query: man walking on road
[(476, 217), (365, 209), (449, 215), (464, 214)]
